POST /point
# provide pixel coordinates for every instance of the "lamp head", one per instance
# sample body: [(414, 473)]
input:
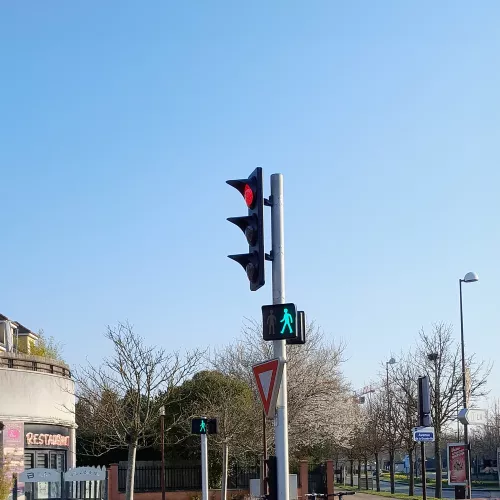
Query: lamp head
[(470, 278)]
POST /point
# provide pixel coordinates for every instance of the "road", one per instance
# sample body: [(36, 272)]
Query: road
[(403, 488)]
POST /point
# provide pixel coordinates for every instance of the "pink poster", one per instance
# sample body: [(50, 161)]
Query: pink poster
[(456, 464), (13, 446)]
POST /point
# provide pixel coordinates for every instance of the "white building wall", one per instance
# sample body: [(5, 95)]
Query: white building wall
[(39, 397)]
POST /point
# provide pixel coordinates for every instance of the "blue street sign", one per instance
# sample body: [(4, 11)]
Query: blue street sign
[(423, 434)]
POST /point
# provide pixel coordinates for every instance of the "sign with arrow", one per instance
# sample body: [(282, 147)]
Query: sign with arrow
[(268, 378), (472, 416), (423, 434)]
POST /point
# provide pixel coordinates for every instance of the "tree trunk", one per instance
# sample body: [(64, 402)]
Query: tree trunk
[(366, 472), (391, 470), (411, 489), (352, 473), (129, 488), (439, 466), (224, 471), (377, 465), (359, 473)]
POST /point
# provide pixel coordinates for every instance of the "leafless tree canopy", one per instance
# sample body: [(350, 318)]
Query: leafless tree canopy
[(320, 407), (118, 402)]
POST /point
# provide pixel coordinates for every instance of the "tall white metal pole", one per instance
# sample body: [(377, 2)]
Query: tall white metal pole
[(204, 467), (279, 346)]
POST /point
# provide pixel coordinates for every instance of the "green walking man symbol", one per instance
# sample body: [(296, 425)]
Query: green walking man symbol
[(287, 320), (203, 426)]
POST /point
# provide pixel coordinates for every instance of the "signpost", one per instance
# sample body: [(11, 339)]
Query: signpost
[(268, 377), (423, 434), (472, 416), (204, 426)]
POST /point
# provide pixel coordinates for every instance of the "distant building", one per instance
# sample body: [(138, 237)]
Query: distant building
[(37, 404)]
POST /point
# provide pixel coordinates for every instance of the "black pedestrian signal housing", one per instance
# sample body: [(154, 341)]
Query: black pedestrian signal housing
[(271, 478), (252, 226), (301, 329), (279, 322), (203, 425)]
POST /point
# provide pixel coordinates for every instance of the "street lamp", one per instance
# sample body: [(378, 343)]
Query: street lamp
[(392, 361), (162, 481), (468, 278)]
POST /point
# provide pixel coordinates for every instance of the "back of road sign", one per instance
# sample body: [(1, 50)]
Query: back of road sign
[(268, 379)]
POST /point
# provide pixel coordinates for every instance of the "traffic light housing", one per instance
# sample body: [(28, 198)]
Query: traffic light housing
[(252, 226), (301, 329), (203, 425), (271, 478), (279, 322)]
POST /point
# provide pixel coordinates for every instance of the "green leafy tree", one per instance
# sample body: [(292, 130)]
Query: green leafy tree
[(231, 401)]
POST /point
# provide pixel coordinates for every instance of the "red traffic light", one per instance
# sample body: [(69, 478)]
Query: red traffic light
[(248, 195)]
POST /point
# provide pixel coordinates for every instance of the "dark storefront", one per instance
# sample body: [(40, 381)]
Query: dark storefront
[(46, 446)]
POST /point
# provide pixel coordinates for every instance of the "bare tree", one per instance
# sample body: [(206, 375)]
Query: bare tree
[(391, 428), (406, 408), (439, 357), (375, 409), (320, 408), (119, 400)]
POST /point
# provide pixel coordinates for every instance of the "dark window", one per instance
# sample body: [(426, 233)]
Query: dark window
[(42, 459), (57, 460), (29, 459)]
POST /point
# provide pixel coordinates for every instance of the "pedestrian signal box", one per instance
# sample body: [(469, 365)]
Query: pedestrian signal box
[(279, 322), (204, 425)]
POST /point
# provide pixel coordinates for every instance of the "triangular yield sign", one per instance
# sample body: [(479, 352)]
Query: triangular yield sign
[(268, 378)]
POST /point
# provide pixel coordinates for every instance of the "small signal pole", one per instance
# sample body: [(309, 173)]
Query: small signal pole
[(204, 467)]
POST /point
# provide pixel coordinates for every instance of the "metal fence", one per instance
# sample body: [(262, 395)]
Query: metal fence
[(184, 477), (317, 479)]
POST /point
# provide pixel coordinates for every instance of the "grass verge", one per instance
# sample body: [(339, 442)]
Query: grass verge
[(385, 494)]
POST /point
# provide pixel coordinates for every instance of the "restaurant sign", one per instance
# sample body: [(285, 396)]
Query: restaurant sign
[(46, 436)]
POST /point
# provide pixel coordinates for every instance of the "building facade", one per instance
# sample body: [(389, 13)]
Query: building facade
[(37, 404)]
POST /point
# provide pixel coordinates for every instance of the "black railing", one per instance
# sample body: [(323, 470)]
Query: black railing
[(317, 479), (239, 477), (21, 361), (182, 478)]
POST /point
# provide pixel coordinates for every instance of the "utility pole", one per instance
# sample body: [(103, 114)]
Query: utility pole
[(162, 432), (279, 346)]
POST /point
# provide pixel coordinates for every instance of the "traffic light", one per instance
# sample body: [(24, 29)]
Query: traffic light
[(279, 322), (271, 478), (252, 226), (424, 402), (204, 425)]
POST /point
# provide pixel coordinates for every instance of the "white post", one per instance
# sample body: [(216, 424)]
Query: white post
[(204, 467), (279, 346)]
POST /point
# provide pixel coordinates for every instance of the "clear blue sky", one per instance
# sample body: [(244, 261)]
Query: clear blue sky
[(121, 122)]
